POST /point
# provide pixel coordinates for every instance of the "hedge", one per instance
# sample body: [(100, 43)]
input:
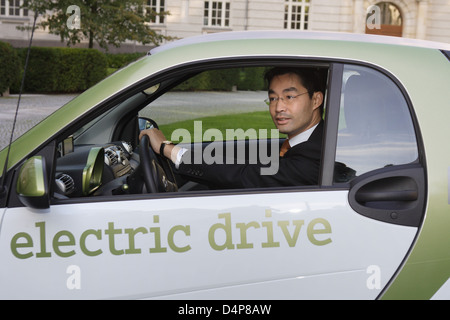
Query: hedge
[(62, 70), (226, 80), (70, 70), (9, 66), (252, 79), (120, 60)]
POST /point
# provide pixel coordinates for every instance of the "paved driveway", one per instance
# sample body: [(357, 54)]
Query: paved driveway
[(33, 109)]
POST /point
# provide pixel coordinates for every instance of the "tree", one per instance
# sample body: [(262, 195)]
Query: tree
[(106, 22)]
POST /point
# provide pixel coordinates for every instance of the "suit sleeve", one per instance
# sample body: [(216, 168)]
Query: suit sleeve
[(299, 167)]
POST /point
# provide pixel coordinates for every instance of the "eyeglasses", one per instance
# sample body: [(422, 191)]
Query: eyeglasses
[(286, 99)]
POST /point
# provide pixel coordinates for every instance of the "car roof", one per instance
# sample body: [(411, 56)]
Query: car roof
[(294, 34)]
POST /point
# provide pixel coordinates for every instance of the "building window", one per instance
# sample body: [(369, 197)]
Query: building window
[(384, 18), (216, 14), (158, 7), (296, 14), (12, 8)]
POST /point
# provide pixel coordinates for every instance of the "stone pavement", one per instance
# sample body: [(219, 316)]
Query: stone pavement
[(33, 109)]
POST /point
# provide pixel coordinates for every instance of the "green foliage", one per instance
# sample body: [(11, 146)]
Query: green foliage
[(107, 22), (224, 80), (120, 60), (10, 66), (62, 70), (219, 80), (252, 79)]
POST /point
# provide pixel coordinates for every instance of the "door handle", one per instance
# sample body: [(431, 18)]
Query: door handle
[(372, 196), (395, 195)]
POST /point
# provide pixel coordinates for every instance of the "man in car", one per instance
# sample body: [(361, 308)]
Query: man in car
[(296, 105)]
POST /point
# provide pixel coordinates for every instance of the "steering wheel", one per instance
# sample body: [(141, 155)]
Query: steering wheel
[(154, 175)]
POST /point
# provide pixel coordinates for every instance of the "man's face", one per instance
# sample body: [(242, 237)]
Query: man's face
[(293, 115)]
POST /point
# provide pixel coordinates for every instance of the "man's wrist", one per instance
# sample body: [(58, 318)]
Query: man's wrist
[(162, 148)]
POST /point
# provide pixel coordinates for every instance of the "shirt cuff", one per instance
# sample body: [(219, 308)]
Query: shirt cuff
[(177, 154)]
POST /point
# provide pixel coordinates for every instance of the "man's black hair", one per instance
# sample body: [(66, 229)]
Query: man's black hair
[(311, 78)]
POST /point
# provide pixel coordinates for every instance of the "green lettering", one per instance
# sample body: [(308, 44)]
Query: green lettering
[(243, 227), (158, 247), (131, 235), (15, 245), (291, 240), (43, 253), (57, 243), (111, 232), (187, 232), (228, 244), (84, 235), (269, 226), (312, 232)]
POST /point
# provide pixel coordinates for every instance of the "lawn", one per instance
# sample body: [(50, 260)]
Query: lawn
[(224, 127)]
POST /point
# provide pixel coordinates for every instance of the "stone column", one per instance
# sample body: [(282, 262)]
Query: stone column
[(184, 10), (359, 17), (421, 20)]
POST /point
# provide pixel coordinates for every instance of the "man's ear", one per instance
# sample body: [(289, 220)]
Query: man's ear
[(317, 99)]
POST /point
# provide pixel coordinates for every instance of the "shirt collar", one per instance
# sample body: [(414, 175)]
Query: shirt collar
[(302, 137)]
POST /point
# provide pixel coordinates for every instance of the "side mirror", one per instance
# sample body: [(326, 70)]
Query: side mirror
[(32, 184), (146, 123)]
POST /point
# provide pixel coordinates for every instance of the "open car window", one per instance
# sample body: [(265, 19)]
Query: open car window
[(220, 111), (215, 105)]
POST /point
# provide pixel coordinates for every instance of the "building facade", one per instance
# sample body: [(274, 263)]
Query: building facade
[(421, 19)]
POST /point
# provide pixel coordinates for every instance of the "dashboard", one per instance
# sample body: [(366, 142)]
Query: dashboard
[(94, 169)]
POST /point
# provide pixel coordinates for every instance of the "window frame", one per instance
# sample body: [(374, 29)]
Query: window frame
[(421, 159), (332, 107), (6, 8), (157, 7), (303, 6), (208, 10)]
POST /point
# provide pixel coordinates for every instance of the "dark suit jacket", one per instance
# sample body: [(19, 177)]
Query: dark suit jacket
[(299, 166)]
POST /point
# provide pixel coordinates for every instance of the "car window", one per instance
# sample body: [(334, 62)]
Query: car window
[(375, 125), (219, 115), (215, 105), (232, 105)]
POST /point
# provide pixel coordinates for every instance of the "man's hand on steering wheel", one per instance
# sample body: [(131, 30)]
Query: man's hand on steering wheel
[(156, 139), (155, 172)]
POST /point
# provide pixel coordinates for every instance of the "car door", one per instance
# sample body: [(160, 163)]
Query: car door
[(342, 239)]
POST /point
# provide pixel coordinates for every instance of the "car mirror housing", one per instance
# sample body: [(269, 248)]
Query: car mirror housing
[(92, 173), (32, 184)]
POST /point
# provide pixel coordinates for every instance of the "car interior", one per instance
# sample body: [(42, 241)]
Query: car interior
[(103, 156)]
